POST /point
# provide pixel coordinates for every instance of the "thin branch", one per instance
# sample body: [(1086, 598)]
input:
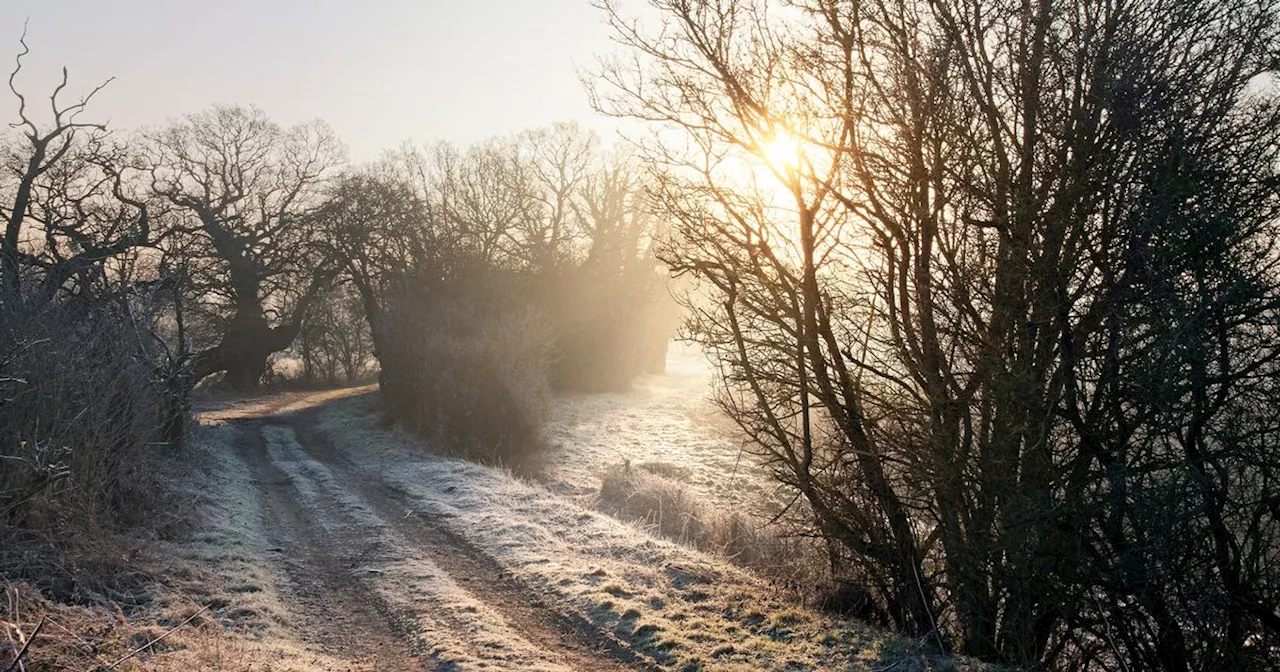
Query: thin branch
[(153, 642), (22, 101), (17, 660)]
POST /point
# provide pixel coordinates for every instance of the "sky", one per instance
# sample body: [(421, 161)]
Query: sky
[(380, 72)]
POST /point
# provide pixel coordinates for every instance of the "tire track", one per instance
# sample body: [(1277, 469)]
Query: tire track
[(370, 585), (570, 639), (340, 615)]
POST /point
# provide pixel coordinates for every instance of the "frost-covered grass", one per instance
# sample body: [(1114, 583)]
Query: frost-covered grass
[(677, 607), (664, 456), (681, 608), (452, 626), (656, 496), (662, 419)]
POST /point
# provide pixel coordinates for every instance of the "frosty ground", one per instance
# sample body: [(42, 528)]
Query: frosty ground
[(667, 419), (332, 541)]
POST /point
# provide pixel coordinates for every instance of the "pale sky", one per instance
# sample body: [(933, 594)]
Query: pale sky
[(379, 71)]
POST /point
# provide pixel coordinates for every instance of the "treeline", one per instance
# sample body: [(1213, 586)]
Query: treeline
[(136, 266), (492, 275), (1008, 327)]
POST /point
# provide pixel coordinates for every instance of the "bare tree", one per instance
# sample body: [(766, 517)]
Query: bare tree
[(334, 343), (248, 187), (383, 231), (1001, 326), (487, 194), (560, 159), (83, 404), (68, 211)]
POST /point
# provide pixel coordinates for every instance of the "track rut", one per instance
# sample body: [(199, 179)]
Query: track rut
[(374, 582)]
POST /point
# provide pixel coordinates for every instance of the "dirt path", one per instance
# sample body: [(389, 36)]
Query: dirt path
[(371, 581), (337, 612)]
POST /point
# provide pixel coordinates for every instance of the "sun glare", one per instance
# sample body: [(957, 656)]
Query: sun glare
[(782, 151)]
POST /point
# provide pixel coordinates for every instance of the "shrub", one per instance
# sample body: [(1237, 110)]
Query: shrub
[(80, 422), (650, 493), (471, 376), (653, 493)]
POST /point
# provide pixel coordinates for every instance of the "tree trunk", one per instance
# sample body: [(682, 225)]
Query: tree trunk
[(245, 371), (243, 353), (249, 340)]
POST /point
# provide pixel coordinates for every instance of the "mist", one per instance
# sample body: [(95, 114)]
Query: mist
[(609, 335)]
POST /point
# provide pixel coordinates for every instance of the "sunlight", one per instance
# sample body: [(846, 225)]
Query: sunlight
[(782, 151), (736, 334)]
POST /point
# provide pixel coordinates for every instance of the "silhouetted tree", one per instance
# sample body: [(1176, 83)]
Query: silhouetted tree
[(381, 229), (68, 211), (248, 188), (334, 342), (84, 403), (560, 159), (1007, 326)]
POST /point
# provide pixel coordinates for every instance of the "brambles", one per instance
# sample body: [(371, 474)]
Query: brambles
[(81, 429)]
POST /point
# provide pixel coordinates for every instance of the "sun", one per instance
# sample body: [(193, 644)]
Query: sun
[(782, 151)]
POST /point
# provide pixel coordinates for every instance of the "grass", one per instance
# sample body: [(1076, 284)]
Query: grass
[(656, 496), (682, 608)]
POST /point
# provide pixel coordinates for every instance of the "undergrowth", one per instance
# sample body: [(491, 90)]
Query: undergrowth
[(83, 480), (471, 375), (654, 494)]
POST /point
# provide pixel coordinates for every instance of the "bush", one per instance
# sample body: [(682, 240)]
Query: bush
[(652, 494), (80, 421), (470, 375)]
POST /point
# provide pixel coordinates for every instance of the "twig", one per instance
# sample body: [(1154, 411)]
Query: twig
[(153, 642), (925, 601), (88, 648), (1110, 640), (35, 490), (17, 660)]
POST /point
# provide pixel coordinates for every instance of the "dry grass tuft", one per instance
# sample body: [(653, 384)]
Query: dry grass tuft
[(654, 495), (172, 634)]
